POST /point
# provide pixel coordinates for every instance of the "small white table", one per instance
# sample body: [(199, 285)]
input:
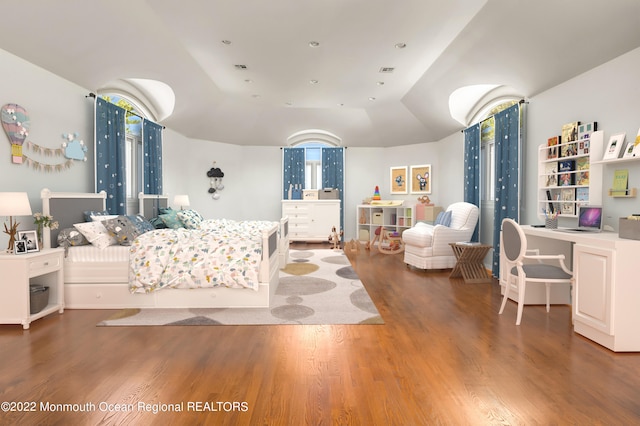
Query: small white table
[(17, 272)]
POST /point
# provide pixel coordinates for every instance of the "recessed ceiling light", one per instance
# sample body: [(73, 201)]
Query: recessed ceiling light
[(372, 98), (288, 103), (314, 43), (401, 45), (380, 83), (227, 42), (255, 96), (313, 81), (240, 67), (248, 80), (386, 70), (340, 104)]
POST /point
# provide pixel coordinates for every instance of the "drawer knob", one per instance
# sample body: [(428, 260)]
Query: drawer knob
[(46, 263)]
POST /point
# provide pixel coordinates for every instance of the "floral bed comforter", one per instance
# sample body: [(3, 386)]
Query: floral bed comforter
[(220, 252)]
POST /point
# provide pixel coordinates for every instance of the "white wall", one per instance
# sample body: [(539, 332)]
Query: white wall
[(607, 94)]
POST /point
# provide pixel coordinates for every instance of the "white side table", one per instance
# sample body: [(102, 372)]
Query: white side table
[(17, 271)]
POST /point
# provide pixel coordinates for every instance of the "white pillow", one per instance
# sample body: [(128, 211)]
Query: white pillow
[(96, 234), (100, 218)]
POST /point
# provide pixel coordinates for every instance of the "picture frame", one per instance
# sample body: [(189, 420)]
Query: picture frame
[(398, 180), (614, 146), (30, 239), (19, 247), (420, 179), (636, 145)]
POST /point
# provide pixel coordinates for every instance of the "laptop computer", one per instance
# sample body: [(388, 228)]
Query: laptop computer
[(589, 220)]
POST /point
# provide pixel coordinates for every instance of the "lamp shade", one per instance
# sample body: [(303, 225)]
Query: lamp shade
[(14, 204), (181, 200)]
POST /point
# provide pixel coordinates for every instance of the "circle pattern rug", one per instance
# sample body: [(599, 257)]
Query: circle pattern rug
[(316, 287)]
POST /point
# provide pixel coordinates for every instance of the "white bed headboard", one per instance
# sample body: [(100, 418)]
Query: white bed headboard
[(67, 208), (149, 204)]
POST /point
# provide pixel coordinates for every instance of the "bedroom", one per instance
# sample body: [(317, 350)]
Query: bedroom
[(606, 92)]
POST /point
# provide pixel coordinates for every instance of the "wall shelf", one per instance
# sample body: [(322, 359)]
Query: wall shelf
[(629, 193)]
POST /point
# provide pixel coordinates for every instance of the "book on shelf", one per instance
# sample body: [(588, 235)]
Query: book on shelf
[(584, 146), (566, 175), (568, 198), (620, 182), (582, 177), (585, 130), (582, 163), (551, 174), (569, 135), (582, 196), (552, 147)]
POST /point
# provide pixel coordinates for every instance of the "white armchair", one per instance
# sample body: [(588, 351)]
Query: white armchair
[(427, 246)]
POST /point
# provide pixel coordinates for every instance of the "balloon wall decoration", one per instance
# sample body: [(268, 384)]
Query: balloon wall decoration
[(16, 122)]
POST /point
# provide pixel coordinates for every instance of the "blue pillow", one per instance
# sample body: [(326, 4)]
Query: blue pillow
[(444, 218)]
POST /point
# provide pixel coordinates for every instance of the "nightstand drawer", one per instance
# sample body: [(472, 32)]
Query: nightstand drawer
[(44, 264)]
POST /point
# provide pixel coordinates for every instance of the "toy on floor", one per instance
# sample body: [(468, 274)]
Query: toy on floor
[(352, 246), (334, 238)]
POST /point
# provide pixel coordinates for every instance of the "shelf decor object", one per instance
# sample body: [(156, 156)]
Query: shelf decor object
[(614, 147), (13, 204)]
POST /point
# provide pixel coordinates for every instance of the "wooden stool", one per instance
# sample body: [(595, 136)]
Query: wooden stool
[(469, 266)]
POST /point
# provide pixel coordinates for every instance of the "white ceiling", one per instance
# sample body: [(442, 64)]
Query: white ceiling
[(524, 46)]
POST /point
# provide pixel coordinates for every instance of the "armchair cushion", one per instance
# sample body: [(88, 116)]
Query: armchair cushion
[(444, 218)]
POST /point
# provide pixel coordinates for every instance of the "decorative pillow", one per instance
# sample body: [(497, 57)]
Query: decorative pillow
[(158, 223), (444, 218), (171, 219), (165, 210), (96, 234), (190, 218), (89, 213), (102, 217), (141, 223), (122, 229), (71, 237)]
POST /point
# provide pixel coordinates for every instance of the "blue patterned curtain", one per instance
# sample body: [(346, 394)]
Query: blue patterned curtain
[(333, 174), (152, 146), (507, 148), (110, 155), (472, 169), (292, 170)]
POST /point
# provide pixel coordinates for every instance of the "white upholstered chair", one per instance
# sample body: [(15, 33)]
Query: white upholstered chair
[(427, 246), (513, 244)]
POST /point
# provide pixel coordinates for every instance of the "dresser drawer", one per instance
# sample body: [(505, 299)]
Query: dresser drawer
[(291, 209), (44, 265)]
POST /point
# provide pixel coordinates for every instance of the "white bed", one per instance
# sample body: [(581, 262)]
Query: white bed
[(103, 283)]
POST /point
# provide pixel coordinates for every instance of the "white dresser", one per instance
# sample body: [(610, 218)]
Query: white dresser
[(311, 220)]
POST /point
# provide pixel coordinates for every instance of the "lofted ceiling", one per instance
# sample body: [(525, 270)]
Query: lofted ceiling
[(244, 72)]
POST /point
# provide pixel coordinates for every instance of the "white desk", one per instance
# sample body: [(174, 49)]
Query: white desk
[(606, 297)]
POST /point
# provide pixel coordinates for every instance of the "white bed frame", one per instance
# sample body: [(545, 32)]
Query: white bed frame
[(105, 285)]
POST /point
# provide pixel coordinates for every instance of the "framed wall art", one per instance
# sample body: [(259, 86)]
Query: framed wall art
[(614, 147), (398, 182), (420, 179), (30, 239)]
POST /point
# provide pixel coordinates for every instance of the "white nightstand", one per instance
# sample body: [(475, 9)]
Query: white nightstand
[(17, 271)]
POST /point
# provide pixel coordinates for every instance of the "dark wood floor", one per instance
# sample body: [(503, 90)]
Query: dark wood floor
[(443, 356)]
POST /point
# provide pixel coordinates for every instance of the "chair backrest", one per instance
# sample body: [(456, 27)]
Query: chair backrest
[(463, 215), (514, 242)]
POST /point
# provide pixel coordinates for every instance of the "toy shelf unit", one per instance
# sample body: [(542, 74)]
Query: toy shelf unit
[(394, 219), (564, 183)]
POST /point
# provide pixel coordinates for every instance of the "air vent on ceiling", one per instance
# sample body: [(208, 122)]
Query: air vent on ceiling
[(387, 70), (240, 67)]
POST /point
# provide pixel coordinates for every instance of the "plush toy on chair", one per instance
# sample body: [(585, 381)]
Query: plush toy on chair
[(427, 246)]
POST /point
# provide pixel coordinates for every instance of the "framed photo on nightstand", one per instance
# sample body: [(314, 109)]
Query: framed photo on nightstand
[(30, 239), (19, 247)]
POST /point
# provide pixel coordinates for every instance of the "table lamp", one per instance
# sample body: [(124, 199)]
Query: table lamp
[(182, 201), (13, 204)]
